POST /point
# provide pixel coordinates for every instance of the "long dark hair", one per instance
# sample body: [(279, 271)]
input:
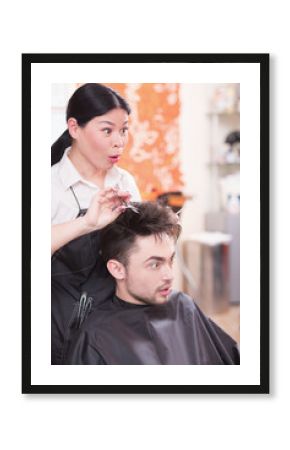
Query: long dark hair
[(88, 101)]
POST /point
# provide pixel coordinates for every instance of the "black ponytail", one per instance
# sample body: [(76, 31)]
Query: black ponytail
[(58, 148), (88, 101)]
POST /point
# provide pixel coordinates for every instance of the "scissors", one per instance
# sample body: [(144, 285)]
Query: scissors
[(128, 205)]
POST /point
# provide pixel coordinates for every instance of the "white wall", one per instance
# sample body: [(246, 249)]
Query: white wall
[(194, 154), (60, 94)]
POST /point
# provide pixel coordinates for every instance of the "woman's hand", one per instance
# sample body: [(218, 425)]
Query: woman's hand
[(105, 207)]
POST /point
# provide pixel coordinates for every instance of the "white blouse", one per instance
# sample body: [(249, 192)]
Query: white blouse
[(64, 206)]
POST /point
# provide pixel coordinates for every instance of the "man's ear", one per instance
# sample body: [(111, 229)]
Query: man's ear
[(72, 126), (116, 269)]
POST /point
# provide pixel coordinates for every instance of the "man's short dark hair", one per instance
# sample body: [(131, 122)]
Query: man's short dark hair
[(118, 238)]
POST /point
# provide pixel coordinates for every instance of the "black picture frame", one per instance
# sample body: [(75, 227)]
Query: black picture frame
[(260, 59)]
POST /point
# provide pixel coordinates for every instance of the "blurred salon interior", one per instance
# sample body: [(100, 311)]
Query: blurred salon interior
[(184, 150)]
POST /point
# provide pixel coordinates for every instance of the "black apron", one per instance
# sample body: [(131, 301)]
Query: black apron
[(79, 283)]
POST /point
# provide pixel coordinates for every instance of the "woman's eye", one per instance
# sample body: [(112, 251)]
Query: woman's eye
[(124, 131), (107, 131)]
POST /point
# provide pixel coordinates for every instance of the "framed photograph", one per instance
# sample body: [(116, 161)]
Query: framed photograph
[(189, 132)]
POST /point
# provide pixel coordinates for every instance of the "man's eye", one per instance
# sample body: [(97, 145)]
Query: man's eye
[(154, 265), (172, 260)]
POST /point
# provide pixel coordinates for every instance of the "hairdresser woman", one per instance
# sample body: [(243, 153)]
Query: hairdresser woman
[(84, 160), (89, 191)]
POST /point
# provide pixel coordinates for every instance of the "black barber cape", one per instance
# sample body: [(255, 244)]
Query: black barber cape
[(79, 283), (176, 332)]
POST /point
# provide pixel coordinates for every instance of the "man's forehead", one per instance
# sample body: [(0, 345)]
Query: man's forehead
[(154, 245)]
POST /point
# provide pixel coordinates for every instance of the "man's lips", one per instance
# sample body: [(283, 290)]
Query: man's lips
[(165, 290)]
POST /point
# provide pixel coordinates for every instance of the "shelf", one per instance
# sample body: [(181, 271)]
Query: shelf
[(225, 164), (223, 113), (223, 160)]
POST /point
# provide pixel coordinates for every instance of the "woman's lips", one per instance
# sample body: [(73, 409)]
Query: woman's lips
[(114, 159)]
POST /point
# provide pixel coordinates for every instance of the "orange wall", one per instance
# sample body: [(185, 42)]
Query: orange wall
[(152, 153)]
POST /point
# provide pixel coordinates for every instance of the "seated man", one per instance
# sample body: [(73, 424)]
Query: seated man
[(145, 322)]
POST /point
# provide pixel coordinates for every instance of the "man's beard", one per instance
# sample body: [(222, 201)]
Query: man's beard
[(145, 300)]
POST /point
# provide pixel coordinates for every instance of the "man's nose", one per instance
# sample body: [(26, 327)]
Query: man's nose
[(167, 273)]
